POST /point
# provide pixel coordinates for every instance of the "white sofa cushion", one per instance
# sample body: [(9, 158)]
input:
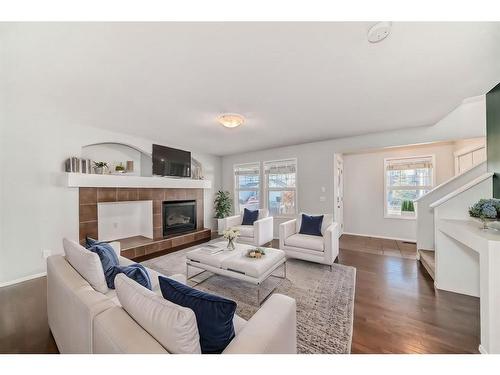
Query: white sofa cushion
[(239, 324), (87, 264), (173, 326), (306, 241), (327, 221), (245, 230)]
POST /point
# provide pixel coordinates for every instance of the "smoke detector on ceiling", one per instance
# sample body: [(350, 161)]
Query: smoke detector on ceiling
[(379, 32)]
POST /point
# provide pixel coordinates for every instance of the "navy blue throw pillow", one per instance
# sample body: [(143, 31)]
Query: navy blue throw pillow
[(311, 225), (214, 314), (89, 242), (135, 271), (249, 216), (106, 254), (111, 264)]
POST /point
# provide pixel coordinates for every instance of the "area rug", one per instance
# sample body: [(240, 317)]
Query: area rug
[(325, 299)]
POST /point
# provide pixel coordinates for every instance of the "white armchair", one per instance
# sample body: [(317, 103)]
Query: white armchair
[(258, 234), (320, 249)]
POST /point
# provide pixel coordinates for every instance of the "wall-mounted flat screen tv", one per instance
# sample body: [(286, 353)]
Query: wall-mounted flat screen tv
[(169, 161)]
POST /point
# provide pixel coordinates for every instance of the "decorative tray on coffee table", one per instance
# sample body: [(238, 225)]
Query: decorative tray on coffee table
[(256, 253)]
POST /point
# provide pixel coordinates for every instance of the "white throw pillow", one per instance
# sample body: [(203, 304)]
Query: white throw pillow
[(173, 326), (87, 264), (327, 221)]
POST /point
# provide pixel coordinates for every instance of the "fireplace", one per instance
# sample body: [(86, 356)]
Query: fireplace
[(178, 217)]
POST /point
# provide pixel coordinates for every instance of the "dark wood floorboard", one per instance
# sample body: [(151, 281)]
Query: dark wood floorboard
[(23, 319), (396, 310)]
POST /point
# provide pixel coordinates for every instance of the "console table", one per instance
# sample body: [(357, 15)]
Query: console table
[(457, 267)]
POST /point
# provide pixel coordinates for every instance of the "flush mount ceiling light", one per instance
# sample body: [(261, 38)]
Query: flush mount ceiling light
[(379, 32), (231, 120)]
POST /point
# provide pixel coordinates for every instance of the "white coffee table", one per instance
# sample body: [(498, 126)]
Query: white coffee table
[(235, 264)]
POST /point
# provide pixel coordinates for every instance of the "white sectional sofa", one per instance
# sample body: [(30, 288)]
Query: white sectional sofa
[(84, 320), (320, 249), (258, 234)]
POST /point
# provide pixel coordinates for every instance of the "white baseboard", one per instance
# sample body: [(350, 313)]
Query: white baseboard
[(482, 350), (22, 279), (378, 236)]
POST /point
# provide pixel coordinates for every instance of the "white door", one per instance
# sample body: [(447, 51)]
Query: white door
[(338, 175)]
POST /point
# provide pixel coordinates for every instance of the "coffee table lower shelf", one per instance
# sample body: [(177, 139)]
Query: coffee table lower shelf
[(239, 276)]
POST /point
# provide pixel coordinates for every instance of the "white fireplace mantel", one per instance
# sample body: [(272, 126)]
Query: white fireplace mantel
[(120, 181)]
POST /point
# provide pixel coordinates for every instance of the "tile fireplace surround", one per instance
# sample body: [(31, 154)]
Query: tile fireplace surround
[(89, 197)]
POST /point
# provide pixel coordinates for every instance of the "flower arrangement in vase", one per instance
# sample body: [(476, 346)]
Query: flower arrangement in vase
[(486, 210), (231, 235)]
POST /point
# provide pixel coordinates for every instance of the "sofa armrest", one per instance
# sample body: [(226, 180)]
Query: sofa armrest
[(271, 330), (287, 229), (331, 239), (232, 221), (263, 230), (71, 299)]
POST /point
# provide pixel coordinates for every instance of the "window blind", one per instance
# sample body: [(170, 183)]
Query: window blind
[(280, 167), (247, 169), (402, 164)]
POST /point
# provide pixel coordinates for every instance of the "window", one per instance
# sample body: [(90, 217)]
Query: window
[(280, 187), (246, 186), (406, 179)]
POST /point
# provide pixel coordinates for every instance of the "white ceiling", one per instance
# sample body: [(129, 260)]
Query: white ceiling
[(294, 82)]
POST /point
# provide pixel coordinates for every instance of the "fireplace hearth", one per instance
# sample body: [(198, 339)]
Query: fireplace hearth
[(178, 217)]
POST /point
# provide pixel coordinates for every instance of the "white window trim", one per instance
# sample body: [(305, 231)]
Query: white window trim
[(265, 188), (386, 161), (236, 186)]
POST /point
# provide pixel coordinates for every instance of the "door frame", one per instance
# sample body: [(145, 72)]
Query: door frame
[(338, 216)]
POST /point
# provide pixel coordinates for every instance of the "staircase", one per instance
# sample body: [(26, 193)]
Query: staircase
[(427, 260), (425, 217), (425, 214)]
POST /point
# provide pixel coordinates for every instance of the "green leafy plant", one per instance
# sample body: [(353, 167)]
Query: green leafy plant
[(119, 168), (407, 206), (100, 164), (222, 204)]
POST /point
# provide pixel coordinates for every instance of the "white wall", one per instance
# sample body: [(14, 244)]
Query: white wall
[(124, 219), (38, 210), (315, 160), (469, 143), (114, 154), (364, 189)]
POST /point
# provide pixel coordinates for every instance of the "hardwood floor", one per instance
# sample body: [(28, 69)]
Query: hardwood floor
[(396, 310), (23, 318), (380, 246)]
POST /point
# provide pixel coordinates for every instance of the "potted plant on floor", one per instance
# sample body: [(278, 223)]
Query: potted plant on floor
[(222, 207), (407, 208)]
